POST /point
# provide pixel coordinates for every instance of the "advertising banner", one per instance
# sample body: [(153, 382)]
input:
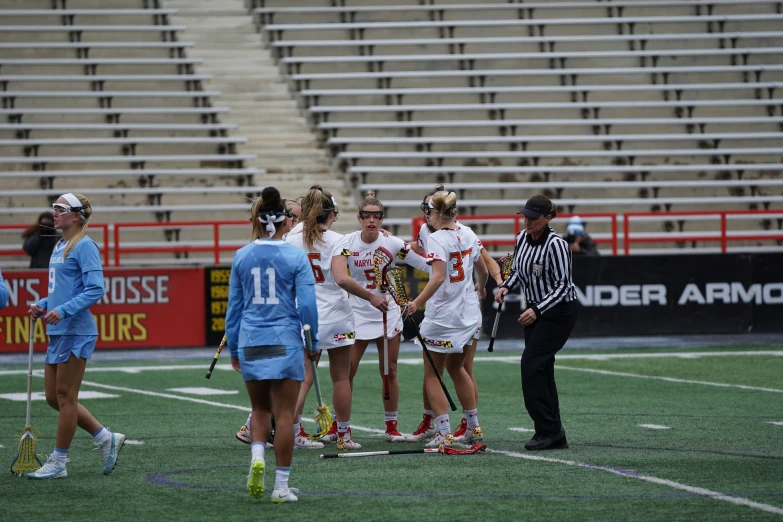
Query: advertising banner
[(141, 308), (666, 295)]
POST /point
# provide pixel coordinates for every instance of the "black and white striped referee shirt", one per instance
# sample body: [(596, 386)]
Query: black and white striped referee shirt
[(543, 268)]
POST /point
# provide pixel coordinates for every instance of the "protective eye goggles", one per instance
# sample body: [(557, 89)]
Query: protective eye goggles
[(364, 214), (65, 208)]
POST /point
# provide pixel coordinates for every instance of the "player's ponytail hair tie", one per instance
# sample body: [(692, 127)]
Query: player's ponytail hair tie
[(269, 219)]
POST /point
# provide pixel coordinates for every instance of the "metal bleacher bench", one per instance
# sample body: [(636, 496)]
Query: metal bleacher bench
[(28, 160), (490, 6), (200, 98), (49, 176), (168, 31), (574, 90), (547, 170), (384, 78), (545, 42), (555, 138), (176, 49), (114, 114), (33, 145), (294, 62), (602, 124), (91, 64), (275, 31), (96, 191)]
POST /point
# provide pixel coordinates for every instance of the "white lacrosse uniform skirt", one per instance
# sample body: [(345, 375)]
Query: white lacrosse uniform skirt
[(446, 339), (369, 325), (335, 335)]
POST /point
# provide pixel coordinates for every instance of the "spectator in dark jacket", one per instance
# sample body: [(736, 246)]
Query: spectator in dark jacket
[(578, 240), (39, 240)]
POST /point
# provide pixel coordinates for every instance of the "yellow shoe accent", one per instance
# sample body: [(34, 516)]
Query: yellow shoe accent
[(255, 479)]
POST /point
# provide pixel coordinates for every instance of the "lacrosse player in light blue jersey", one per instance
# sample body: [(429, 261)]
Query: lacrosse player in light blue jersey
[(75, 284), (271, 295), (3, 293)]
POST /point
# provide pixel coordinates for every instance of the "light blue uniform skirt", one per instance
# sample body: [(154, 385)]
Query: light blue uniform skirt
[(62, 346), (267, 363)]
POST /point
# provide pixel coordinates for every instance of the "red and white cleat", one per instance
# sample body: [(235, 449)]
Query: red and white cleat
[(425, 430)]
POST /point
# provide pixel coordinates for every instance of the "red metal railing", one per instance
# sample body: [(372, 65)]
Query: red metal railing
[(518, 219), (724, 237), (103, 227), (216, 247)]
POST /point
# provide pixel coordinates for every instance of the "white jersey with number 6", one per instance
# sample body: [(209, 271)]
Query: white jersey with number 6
[(451, 305), (333, 305)]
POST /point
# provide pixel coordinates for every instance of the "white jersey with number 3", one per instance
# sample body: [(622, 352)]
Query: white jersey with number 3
[(450, 306), (333, 305)]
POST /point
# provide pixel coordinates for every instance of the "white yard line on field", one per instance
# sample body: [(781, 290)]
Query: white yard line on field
[(655, 480), (415, 361), (668, 379), (647, 478), (776, 423), (654, 426), (523, 430)]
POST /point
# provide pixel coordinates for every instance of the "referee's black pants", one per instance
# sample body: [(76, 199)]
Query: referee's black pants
[(543, 339)]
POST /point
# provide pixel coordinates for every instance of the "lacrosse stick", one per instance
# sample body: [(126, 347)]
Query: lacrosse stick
[(381, 260), (443, 450), (26, 460), (214, 359), (323, 416), (505, 263), (396, 286)]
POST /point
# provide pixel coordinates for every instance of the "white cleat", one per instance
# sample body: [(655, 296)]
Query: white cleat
[(301, 442), (425, 431), (472, 436), (346, 443), (53, 469), (243, 435), (280, 496), (111, 449), (440, 440)]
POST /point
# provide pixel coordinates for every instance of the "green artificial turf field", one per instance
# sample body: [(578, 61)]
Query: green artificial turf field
[(719, 457)]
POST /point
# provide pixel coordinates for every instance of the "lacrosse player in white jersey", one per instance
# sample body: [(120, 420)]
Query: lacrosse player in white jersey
[(335, 316), (427, 427), (450, 319), (353, 270)]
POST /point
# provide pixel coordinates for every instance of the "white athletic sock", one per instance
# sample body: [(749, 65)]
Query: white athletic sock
[(464, 415), (102, 435), (247, 422), (297, 429), (472, 416), (60, 455), (281, 478), (390, 415), (257, 449), (429, 413), (444, 426), (343, 427)]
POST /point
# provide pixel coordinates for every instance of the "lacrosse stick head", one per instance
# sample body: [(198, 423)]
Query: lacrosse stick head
[(505, 263), (26, 461), (396, 280), (381, 262)]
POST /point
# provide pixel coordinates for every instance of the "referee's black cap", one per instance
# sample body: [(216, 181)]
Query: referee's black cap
[(536, 206)]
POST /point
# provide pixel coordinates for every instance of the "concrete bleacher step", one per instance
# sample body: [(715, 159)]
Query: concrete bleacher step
[(252, 87)]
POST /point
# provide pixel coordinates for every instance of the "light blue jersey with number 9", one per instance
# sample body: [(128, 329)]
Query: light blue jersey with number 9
[(271, 295), (75, 284)]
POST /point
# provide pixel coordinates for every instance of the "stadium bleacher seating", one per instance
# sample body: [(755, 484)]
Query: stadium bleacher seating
[(646, 102)]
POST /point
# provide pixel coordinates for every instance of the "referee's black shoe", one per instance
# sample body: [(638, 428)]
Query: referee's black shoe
[(544, 442)]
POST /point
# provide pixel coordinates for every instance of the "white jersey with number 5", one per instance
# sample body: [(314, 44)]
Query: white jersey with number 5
[(451, 304), (360, 265), (333, 305)]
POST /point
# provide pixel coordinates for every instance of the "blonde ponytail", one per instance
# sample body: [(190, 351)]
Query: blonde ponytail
[(84, 220)]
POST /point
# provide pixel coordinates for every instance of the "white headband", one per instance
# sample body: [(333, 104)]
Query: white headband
[(72, 200), (334, 202), (269, 219)]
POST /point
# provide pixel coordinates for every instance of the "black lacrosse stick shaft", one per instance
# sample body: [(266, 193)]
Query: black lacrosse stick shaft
[(432, 363)]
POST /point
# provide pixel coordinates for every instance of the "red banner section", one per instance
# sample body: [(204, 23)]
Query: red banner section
[(141, 308)]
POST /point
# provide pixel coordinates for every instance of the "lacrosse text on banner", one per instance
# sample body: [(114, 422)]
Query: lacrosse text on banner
[(134, 312)]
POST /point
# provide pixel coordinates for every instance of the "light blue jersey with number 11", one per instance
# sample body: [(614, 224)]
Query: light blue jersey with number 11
[(271, 295)]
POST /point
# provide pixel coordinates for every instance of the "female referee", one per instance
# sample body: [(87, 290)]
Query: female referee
[(75, 284), (542, 265), (271, 295)]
